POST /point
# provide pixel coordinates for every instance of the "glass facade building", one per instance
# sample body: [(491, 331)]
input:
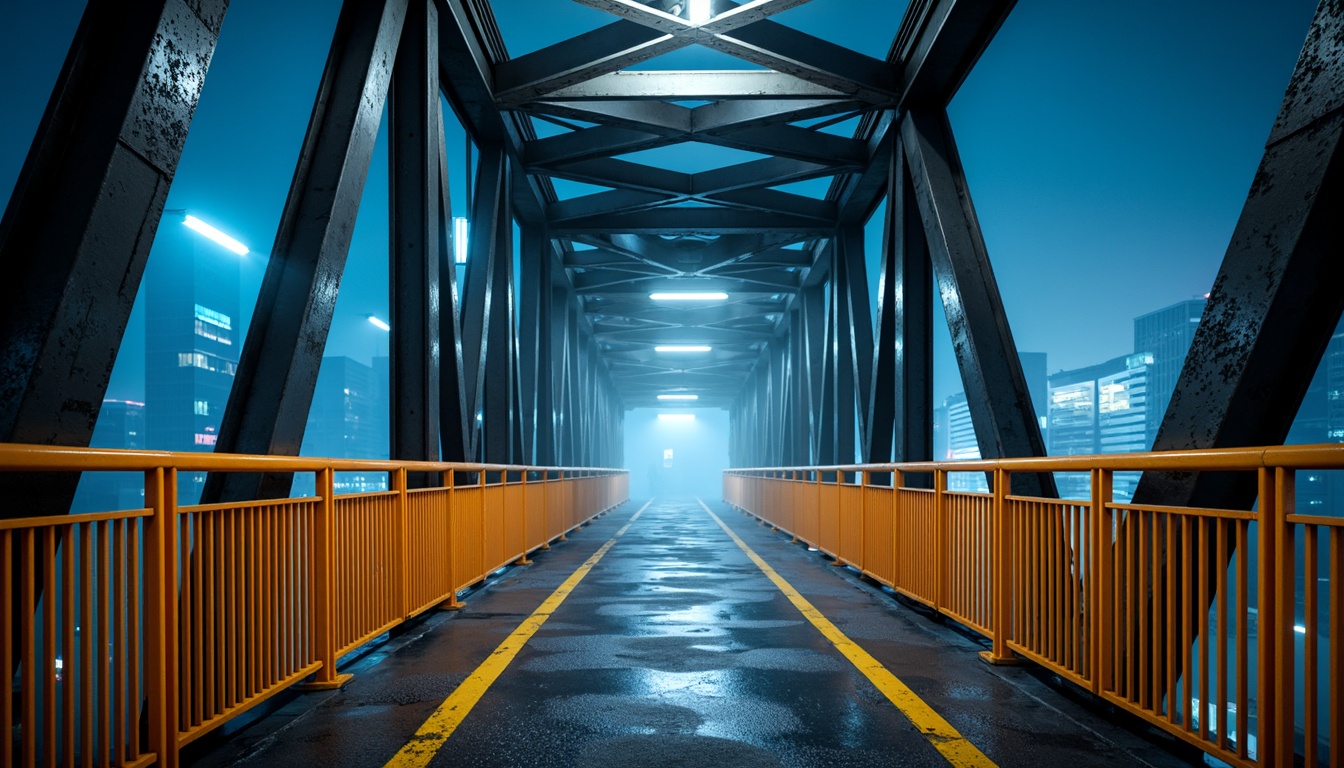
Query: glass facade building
[(1099, 409), (192, 341), (1166, 335), (349, 420)]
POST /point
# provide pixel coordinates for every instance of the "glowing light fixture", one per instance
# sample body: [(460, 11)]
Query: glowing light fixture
[(678, 397), (193, 223), (698, 12), (676, 417), (460, 240), (682, 348), (377, 322), (689, 296)]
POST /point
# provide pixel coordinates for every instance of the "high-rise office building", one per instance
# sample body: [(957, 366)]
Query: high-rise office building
[(121, 424), (1166, 335), (954, 418), (191, 343), (1320, 419), (348, 420), (1099, 409)]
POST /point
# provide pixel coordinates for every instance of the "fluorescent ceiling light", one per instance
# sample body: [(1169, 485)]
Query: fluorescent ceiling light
[(689, 296), (682, 348), (460, 240), (196, 224), (699, 12), (676, 417), (678, 397), (377, 323)]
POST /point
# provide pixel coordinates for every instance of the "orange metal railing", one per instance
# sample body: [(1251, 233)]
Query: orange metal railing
[(128, 634), (1223, 627)]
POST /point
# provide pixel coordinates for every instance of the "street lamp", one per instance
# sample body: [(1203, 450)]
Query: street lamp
[(377, 322)]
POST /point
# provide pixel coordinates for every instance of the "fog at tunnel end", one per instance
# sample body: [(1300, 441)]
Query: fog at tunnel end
[(680, 456)]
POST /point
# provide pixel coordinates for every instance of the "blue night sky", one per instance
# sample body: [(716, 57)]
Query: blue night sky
[(1109, 146)]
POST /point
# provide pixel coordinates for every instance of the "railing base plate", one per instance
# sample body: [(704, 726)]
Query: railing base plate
[(1000, 661), (326, 685)]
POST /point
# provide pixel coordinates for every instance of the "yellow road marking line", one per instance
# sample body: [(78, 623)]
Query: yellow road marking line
[(432, 734), (946, 739)]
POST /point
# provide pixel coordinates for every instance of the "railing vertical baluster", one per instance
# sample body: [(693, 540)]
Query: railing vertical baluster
[(1001, 565), (1266, 639), (324, 593), (401, 559), (1281, 625), (449, 481), (1099, 611)]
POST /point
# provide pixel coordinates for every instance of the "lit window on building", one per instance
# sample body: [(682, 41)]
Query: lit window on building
[(218, 319)]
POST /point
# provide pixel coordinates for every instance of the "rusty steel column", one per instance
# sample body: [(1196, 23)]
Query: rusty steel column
[(77, 232), (277, 372), (414, 266), (996, 388), (1276, 300)]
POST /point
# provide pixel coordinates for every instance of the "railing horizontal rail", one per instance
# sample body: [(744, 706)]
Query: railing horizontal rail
[(1223, 627), (208, 610)]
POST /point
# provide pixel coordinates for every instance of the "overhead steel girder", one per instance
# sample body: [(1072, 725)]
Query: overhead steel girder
[(414, 130), (789, 141), (616, 46), (678, 335), (605, 203), (278, 367), (704, 254), (656, 85), (694, 220), (629, 201), (706, 316), (991, 372), (784, 49), (706, 119), (76, 234), (936, 49), (772, 46), (1276, 300), (467, 73), (721, 116), (607, 49), (767, 284), (624, 174), (774, 201)]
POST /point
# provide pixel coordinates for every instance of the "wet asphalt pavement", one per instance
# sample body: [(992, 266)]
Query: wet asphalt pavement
[(676, 650)]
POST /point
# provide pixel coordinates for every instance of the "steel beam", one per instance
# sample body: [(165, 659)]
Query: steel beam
[(858, 321), (613, 47), (414, 123), (938, 44), (489, 209), (996, 389), (691, 221), (454, 423), (659, 85), (283, 352), (913, 276), (76, 234), (1276, 300)]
